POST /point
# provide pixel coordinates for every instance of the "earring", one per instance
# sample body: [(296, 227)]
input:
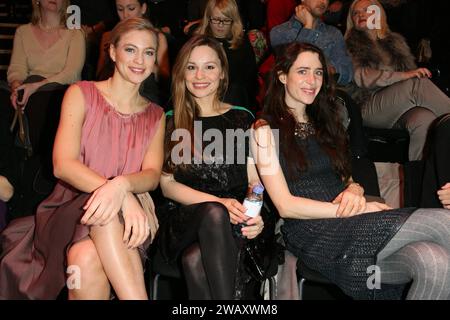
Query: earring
[(38, 3)]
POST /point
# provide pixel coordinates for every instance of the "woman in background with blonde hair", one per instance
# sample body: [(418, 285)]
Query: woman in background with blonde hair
[(222, 21), (46, 48), (46, 57), (392, 91)]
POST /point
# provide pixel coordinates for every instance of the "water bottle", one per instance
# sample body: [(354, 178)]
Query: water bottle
[(253, 202)]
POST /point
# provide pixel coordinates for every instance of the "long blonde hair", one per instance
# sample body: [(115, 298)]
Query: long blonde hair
[(229, 9), (382, 32), (186, 109), (36, 14)]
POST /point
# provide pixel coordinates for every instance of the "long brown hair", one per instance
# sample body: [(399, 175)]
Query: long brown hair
[(186, 109), (229, 9), (322, 113)]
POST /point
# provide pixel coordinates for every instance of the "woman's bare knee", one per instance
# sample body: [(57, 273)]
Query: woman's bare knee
[(92, 282), (84, 255)]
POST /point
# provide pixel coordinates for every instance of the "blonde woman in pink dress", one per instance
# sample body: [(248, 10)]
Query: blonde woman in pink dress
[(108, 153)]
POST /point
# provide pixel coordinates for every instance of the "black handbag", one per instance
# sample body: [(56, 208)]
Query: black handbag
[(260, 258), (22, 136)]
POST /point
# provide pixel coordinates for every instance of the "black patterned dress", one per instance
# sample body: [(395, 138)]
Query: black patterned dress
[(341, 249), (221, 173)]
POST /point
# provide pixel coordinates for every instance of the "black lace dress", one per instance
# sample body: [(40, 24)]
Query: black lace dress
[(222, 177), (341, 249)]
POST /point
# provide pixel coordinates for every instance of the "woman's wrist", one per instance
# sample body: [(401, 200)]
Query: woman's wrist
[(123, 183), (355, 186), (39, 84)]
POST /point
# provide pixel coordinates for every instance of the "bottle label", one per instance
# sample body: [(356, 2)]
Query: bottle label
[(253, 208)]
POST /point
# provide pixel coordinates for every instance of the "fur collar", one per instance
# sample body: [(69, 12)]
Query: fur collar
[(393, 48)]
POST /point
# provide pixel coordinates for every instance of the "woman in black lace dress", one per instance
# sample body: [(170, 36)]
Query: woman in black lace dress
[(366, 248), (206, 173)]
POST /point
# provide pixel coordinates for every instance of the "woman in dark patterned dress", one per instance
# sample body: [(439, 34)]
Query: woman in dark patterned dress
[(328, 223), (205, 187)]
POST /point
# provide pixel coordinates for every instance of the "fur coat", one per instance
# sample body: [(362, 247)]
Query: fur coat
[(390, 54)]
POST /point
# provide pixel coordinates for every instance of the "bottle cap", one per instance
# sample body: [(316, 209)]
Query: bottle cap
[(259, 189)]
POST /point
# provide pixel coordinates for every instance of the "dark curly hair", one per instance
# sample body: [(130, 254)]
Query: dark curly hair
[(322, 113)]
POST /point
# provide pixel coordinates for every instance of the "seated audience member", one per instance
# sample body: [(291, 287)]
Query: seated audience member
[(221, 20), (137, 9), (46, 57), (201, 221), (328, 225), (46, 48), (392, 91), (108, 154), (306, 26)]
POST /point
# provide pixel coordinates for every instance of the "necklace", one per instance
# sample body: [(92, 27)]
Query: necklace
[(304, 129)]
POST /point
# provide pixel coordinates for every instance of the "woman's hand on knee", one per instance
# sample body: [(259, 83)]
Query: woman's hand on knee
[(104, 203), (254, 227), (235, 209), (444, 195), (137, 228), (351, 201)]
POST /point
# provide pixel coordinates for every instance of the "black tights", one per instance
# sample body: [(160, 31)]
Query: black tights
[(437, 158), (209, 261)]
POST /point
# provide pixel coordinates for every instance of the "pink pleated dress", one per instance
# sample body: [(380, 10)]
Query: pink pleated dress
[(33, 256)]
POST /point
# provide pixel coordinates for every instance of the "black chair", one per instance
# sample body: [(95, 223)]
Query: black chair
[(166, 280), (311, 285), (391, 145), (387, 145)]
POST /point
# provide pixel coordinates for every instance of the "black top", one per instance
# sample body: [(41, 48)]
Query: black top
[(221, 173), (320, 181), (213, 175), (242, 73)]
